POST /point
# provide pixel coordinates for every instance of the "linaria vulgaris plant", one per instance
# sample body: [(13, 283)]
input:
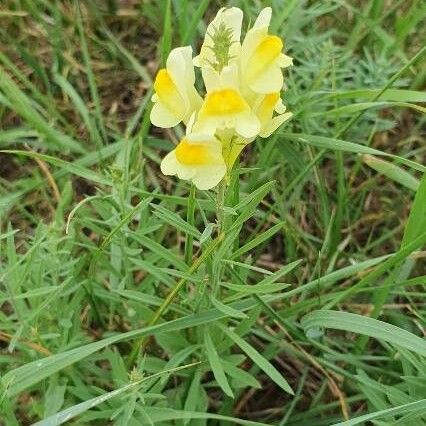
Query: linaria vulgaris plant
[(243, 83)]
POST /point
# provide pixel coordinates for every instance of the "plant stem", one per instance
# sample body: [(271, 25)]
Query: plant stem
[(220, 204), (189, 246), (140, 344), (220, 217)]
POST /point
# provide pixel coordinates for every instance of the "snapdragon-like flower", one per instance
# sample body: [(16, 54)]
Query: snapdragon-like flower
[(262, 57), (243, 84), (175, 97), (198, 158), (264, 107), (224, 106)]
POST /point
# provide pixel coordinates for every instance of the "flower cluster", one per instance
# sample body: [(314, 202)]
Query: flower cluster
[(243, 82)]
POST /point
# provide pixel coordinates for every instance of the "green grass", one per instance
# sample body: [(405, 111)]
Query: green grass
[(120, 300)]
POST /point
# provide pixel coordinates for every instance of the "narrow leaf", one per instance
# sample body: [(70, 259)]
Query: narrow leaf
[(216, 365), (392, 171), (365, 325), (258, 359), (227, 310)]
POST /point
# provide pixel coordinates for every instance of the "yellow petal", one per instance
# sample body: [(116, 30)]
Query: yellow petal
[(266, 108), (247, 125), (266, 53), (270, 80), (192, 154), (273, 124), (175, 94), (264, 18), (163, 117), (209, 176), (198, 158), (268, 50), (228, 77), (285, 61), (223, 102), (167, 92), (169, 164), (180, 66)]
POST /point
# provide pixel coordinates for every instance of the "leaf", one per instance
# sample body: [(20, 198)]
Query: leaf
[(389, 95), (166, 42), (192, 397), (216, 365), (258, 359), (365, 325), (331, 278), (257, 288), (386, 266), (259, 239), (162, 251), (247, 266), (127, 217), (416, 222), (412, 407), (196, 18), (72, 168), (24, 106), (79, 104), (159, 415), (284, 270), (248, 206), (176, 359), (65, 415), (227, 310), (341, 145), (361, 106), (392, 171), (240, 375), (175, 220), (21, 378), (207, 232)]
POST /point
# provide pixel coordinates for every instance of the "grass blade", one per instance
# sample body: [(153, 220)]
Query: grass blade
[(364, 325)]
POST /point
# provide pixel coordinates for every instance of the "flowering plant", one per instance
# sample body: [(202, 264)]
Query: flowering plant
[(243, 82)]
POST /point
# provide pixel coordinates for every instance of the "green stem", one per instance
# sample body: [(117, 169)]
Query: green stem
[(220, 204), (140, 344), (190, 218), (220, 217)]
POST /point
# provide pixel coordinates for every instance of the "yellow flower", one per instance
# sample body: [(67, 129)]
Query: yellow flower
[(242, 101), (197, 158), (175, 97), (224, 106), (262, 57), (222, 41), (264, 107)]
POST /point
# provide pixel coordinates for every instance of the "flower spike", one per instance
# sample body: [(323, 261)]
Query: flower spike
[(243, 85)]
